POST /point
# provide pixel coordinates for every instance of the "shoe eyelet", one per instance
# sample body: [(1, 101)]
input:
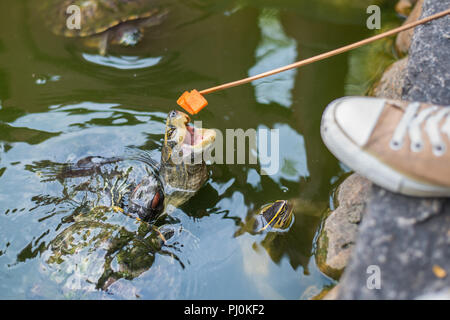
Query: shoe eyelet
[(417, 146), (395, 145), (439, 150)]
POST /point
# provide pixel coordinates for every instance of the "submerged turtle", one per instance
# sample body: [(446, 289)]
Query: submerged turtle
[(102, 245), (282, 229), (276, 216), (273, 217), (103, 22)]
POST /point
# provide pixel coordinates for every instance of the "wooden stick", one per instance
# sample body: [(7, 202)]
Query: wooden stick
[(327, 54)]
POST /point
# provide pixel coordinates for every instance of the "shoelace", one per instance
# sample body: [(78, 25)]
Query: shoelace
[(411, 123)]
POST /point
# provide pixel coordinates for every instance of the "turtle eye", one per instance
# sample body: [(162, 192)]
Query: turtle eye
[(172, 114)]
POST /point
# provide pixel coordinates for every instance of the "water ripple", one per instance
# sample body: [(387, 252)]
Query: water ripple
[(122, 62)]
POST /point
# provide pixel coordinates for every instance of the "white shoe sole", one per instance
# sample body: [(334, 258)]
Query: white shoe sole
[(368, 166)]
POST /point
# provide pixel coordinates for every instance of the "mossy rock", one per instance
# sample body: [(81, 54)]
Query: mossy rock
[(321, 258), (339, 231)]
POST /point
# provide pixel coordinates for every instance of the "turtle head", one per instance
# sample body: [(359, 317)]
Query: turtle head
[(273, 217), (125, 34), (276, 216), (147, 199), (184, 143), (128, 36), (131, 32)]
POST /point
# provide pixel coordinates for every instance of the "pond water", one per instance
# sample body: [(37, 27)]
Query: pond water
[(61, 101)]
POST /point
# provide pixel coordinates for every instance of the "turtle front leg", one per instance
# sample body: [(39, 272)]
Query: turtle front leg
[(103, 43)]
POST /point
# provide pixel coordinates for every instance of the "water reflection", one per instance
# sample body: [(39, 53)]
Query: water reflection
[(42, 79), (275, 50), (122, 62), (293, 164), (100, 105)]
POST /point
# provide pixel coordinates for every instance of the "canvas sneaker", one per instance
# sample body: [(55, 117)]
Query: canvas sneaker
[(399, 145)]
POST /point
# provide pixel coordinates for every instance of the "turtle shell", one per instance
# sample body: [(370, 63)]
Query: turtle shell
[(97, 16)]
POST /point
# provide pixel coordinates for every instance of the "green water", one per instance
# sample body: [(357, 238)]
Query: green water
[(60, 101)]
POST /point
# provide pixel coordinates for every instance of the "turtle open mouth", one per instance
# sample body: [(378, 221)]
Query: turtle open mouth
[(198, 139), (184, 139)]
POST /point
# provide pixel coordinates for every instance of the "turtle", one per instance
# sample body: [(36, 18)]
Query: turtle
[(119, 207), (272, 217), (103, 22), (165, 185), (182, 170), (277, 216), (276, 229)]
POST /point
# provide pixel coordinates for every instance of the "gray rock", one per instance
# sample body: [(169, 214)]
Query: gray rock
[(340, 229), (428, 76), (407, 237), (444, 294)]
